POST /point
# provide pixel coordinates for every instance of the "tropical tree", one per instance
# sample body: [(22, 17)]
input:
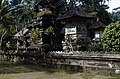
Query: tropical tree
[(104, 16), (115, 15), (23, 14), (6, 19), (14, 16), (98, 7), (56, 6), (92, 5), (111, 37)]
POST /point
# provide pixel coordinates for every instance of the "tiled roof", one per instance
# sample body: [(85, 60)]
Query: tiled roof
[(74, 12), (97, 25)]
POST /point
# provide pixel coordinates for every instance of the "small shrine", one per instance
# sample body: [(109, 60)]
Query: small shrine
[(98, 28), (76, 28)]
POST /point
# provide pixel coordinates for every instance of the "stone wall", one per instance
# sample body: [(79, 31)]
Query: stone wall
[(76, 60), (86, 59)]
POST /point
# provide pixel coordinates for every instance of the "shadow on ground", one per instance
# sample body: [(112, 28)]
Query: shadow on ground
[(10, 67), (13, 68)]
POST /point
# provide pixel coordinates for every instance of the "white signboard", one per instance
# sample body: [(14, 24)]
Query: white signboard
[(70, 30), (98, 34)]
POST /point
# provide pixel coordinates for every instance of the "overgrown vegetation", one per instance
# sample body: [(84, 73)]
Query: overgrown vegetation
[(95, 46), (111, 37), (36, 35)]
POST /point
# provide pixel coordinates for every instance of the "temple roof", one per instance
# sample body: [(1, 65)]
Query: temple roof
[(97, 25), (74, 12)]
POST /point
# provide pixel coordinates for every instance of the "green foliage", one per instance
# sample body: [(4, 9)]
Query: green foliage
[(56, 6), (94, 46), (77, 47), (115, 15), (15, 2), (6, 22), (111, 37), (50, 31), (12, 18), (6, 18), (35, 35), (104, 16), (97, 7)]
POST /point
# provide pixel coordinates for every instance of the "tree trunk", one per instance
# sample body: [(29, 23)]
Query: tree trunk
[(1, 39)]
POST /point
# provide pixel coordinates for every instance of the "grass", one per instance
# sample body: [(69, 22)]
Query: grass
[(18, 71)]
